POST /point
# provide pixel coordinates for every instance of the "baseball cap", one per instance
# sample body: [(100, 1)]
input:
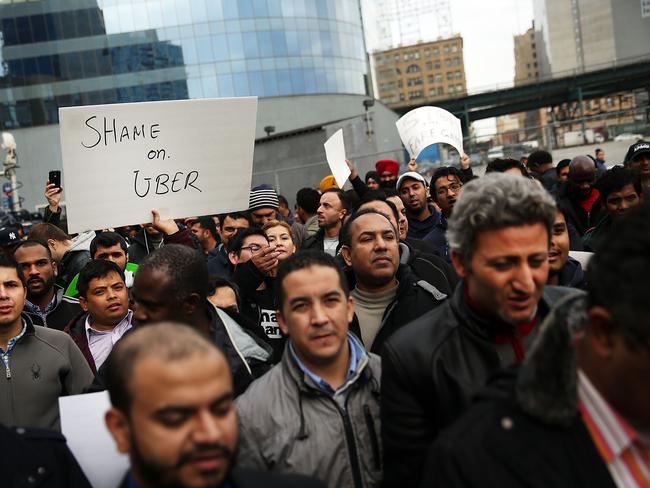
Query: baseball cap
[(413, 176), (637, 148), (9, 236)]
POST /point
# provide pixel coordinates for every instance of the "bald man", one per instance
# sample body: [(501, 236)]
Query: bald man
[(173, 412), (583, 207)]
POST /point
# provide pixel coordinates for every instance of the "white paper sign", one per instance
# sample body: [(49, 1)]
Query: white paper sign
[(82, 423), (184, 158), (335, 153), (429, 125)]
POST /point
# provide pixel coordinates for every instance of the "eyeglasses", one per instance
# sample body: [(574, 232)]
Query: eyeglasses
[(252, 248), (442, 191)]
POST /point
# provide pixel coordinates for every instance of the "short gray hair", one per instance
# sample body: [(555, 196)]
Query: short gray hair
[(497, 201)]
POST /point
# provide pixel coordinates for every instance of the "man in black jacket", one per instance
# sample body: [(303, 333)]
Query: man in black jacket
[(576, 411), (499, 234), (173, 412), (172, 284), (387, 294), (334, 206), (45, 302)]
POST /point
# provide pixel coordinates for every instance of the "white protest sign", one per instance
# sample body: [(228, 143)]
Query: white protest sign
[(82, 423), (429, 125), (335, 154), (184, 158)]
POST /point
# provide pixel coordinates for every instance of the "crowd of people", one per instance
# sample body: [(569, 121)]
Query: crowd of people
[(459, 332)]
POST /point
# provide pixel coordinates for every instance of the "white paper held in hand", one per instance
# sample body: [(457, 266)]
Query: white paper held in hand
[(193, 157), (82, 423), (429, 125), (335, 153)]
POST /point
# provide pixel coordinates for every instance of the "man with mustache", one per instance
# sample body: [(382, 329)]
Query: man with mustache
[(422, 216), (317, 412), (46, 305), (563, 270), (499, 235), (173, 413), (387, 293)]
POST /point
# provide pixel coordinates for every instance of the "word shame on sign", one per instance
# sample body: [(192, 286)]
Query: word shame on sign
[(424, 126), (185, 158)]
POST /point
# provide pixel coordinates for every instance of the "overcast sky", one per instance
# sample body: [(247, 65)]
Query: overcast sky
[(488, 28)]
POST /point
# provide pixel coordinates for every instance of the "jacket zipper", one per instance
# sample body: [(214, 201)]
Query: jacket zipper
[(373, 437), (352, 446)]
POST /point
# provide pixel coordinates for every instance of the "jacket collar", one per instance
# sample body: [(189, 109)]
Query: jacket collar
[(546, 387), (30, 325)]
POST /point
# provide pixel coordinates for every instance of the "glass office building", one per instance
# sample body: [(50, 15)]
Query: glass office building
[(57, 53)]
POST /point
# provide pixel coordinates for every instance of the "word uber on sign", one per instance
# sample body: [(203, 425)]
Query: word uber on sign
[(184, 158)]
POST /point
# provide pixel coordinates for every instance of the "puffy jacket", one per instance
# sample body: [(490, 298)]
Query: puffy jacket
[(572, 274), (314, 242), (44, 365), (546, 443), (431, 368), (66, 309), (415, 297), (287, 424), (595, 236), (429, 267)]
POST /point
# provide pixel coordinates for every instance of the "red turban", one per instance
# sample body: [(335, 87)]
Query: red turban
[(387, 165)]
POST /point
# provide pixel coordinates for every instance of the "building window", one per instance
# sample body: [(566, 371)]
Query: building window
[(456, 61), (438, 78), (401, 97), (446, 49), (441, 91), (454, 48), (447, 63), (450, 75), (436, 51), (436, 65), (413, 68), (429, 65), (459, 75), (427, 53), (430, 78)]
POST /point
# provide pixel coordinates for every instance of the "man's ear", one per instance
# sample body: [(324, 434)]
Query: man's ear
[(459, 266), (281, 322), (232, 257), (118, 426), (601, 331), (55, 268), (83, 303), (347, 256), (52, 244)]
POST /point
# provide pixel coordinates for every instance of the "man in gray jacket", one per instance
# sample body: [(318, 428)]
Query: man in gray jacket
[(38, 365), (317, 411)]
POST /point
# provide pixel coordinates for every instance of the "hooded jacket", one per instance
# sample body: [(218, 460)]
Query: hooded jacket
[(576, 215), (75, 258), (572, 274), (430, 370), (44, 365), (288, 424), (525, 429)]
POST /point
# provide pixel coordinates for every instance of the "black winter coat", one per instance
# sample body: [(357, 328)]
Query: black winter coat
[(576, 216), (37, 457), (525, 430), (66, 309), (414, 298), (430, 370)]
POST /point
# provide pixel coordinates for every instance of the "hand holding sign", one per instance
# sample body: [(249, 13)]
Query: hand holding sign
[(335, 153), (429, 125)]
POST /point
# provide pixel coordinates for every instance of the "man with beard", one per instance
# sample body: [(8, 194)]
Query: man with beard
[(46, 305), (413, 190), (173, 413), (499, 234), (334, 206), (387, 169), (446, 187), (579, 197), (229, 224)]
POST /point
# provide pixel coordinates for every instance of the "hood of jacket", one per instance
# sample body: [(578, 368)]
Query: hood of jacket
[(546, 386), (82, 241)]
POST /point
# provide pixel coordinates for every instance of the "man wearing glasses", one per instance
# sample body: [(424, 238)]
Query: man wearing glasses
[(446, 187)]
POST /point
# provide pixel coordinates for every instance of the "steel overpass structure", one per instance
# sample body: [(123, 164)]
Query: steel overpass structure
[(547, 93)]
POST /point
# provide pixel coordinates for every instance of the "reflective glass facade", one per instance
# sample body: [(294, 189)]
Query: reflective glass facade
[(57, 53)]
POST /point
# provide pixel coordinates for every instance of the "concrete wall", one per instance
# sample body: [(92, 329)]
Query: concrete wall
[(632, 31)]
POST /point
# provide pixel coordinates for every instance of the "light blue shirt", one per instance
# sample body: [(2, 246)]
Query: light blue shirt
[(357, 355)]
